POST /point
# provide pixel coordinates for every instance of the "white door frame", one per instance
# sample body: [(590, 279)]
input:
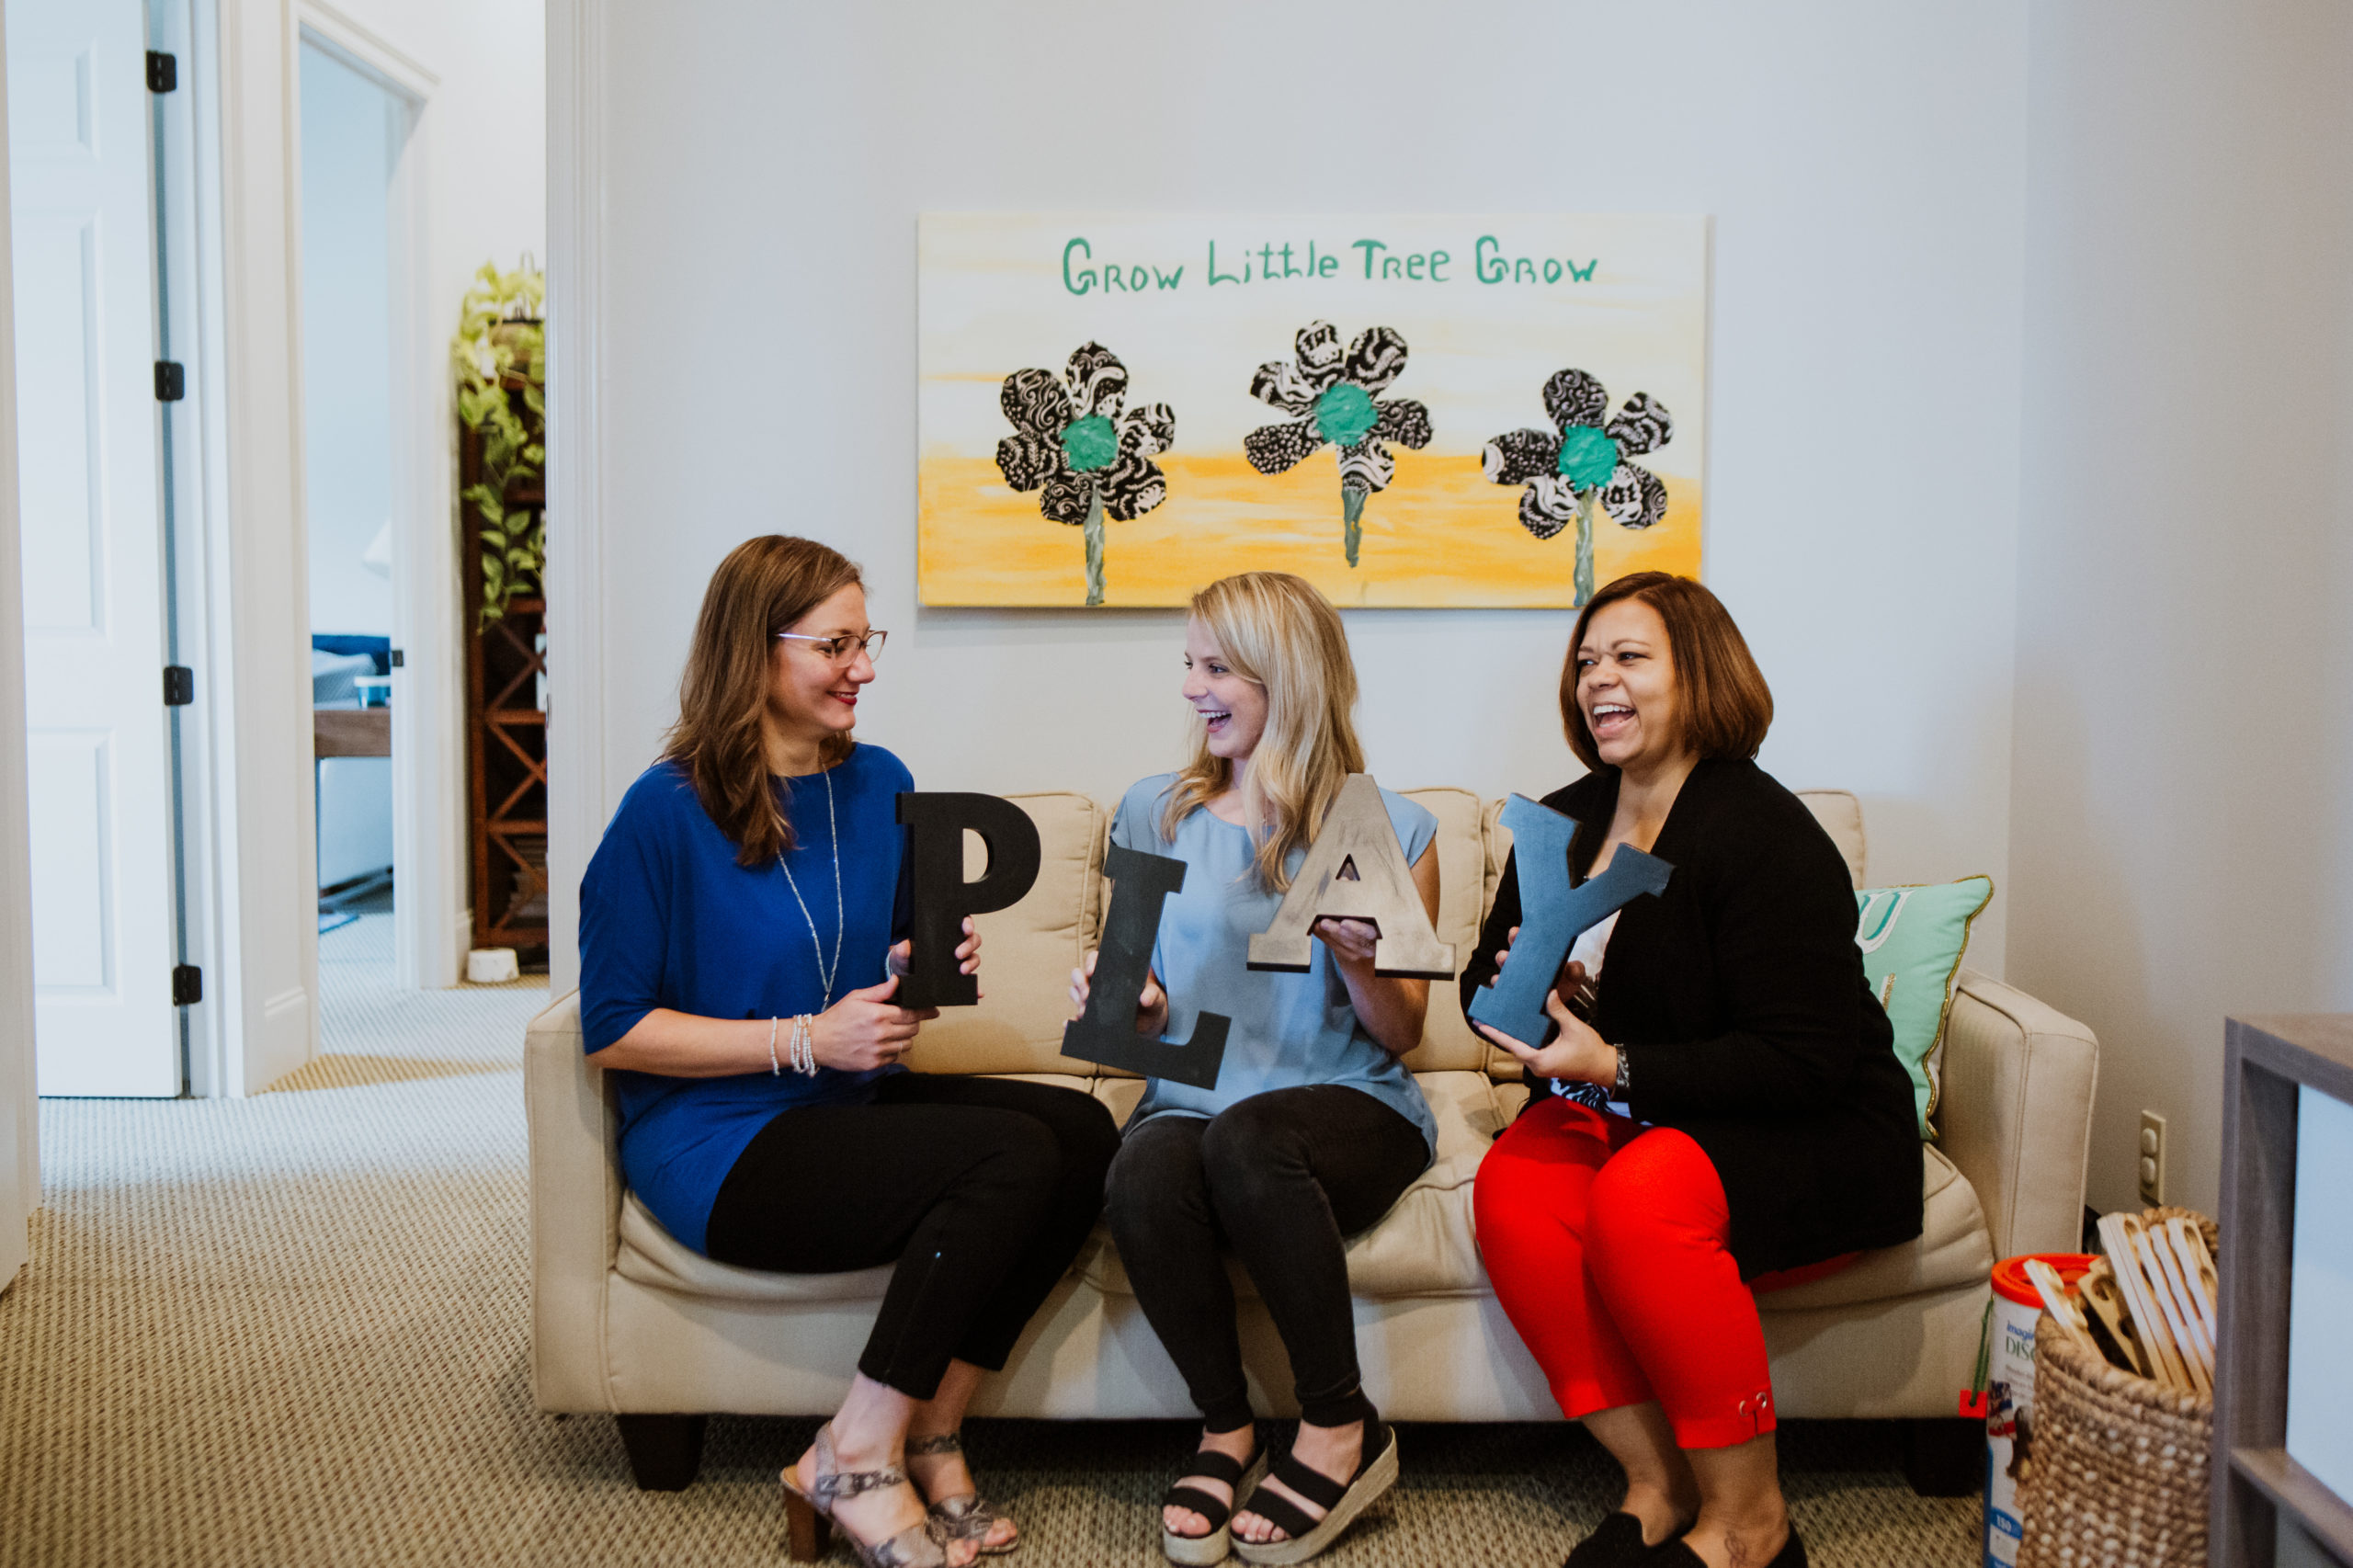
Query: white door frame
[(579, 796), (431, 921), (20, 1128)]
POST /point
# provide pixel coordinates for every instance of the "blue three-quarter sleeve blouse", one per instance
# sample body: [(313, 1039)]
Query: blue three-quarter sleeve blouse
[(669, 919)]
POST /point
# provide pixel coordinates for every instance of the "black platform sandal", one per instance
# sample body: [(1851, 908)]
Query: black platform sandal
[(1304, 1538), (1198, 1551)]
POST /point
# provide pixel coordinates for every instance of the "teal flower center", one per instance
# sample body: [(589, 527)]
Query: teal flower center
[(1089, 444), (1587, 456), (1345, 415)]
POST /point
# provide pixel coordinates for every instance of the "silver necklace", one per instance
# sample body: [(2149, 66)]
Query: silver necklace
[(824, 970)]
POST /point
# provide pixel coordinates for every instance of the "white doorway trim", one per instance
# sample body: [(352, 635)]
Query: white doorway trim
[(431, 920), (578, 797)]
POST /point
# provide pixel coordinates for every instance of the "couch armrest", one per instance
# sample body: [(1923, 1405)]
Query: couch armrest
[(575, 1211), (2016, 1112)]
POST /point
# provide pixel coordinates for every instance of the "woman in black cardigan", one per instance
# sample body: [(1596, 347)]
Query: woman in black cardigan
[(1720, 1110)]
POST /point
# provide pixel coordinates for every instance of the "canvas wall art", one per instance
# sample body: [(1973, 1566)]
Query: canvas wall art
[(1406, 411)]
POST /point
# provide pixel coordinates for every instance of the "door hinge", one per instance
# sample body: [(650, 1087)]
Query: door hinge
[(187, 985), (171, 381), (180, 686), (163, 72), (400, 658)]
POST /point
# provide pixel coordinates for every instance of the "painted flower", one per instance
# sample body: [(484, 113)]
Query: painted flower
[(1566, 473), (1338, 398), (1090, 456)]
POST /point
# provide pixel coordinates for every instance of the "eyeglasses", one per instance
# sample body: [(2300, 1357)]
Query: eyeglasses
[(841, 649)]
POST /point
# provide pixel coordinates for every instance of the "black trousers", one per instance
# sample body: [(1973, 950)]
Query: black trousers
[(981, 1188), (1281, 1177)]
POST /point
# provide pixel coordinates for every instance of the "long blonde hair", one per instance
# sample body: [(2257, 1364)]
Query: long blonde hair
[(1276, 632), (763, 586)]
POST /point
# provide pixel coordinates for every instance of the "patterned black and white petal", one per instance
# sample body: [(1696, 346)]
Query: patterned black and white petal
[(1547, 506), (1028, 461), (1367, 465), (1035, 402), (1376, 359), (1131, 486), (1634, 498), (1288, 388), (1271, 449), (1517, 455), (1318, 347), (1401, 420), (1572, 397), (1098, 383), (1065, 499), (1641, 426), (1148, 428)]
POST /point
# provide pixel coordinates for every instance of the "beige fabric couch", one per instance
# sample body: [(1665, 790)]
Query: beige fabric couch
[(626, 1319)]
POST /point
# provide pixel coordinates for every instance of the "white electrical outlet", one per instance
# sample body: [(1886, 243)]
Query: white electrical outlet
[(2150, 1156)]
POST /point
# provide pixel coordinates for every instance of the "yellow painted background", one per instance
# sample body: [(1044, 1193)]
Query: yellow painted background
[(1440, 535)]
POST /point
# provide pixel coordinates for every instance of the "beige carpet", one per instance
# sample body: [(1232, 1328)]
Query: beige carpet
[(291, 1330)]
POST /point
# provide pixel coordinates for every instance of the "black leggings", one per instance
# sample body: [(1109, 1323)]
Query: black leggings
[(1281, 1177), (983, 1188)]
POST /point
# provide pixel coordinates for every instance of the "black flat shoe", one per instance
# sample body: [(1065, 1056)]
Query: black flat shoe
[(1618, 1543), (1675, 1554)]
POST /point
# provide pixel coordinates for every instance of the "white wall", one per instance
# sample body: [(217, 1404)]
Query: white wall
[(2185, 734), (19, 1131), (349, 129), (747, 178)]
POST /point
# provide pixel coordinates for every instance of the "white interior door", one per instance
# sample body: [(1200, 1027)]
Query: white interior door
[(96, 731)]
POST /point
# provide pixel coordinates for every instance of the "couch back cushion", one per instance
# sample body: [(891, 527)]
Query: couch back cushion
[(1841, 816), (1027, 952)]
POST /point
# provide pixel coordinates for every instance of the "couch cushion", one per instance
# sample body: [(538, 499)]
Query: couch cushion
[(648, 1255), (1422, 1246), (1027, 953), (1841, 816), (1447, 1043), (1954, 1249)]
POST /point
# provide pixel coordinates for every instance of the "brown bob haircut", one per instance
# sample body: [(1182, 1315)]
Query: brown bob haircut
[(763, 588), (1721, 702)]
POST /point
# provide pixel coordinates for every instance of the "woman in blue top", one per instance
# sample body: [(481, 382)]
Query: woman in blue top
[(737, 964), (1315, 1127)]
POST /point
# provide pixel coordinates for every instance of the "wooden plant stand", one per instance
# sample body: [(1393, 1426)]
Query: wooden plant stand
[(507, 746)]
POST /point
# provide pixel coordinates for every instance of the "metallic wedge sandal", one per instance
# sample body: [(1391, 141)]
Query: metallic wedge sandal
[(809, 1515), (968, 1515)]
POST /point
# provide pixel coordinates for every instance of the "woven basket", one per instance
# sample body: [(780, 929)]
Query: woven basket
[(2118, 1477)]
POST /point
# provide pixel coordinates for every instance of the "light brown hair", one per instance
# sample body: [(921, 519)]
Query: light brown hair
[(1276, 630), (1723, 706), (763, 586)]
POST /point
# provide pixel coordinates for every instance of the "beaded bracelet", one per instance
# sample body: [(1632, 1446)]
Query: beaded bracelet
[(774, 1070)]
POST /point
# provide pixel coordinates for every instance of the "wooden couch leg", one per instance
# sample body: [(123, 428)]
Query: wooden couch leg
[(1944, 1456), (664, 1452)]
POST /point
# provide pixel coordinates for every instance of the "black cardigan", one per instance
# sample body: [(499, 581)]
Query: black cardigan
[(1739, 997)]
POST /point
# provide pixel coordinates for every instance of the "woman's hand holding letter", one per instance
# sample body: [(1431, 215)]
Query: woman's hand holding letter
[(1151, 1012), (1577, 1052)]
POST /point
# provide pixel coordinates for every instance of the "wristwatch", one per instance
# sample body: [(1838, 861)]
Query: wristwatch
[(1617, 1089)]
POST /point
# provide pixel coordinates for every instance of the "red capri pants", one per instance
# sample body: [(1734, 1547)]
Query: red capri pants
[(1610, 1247)]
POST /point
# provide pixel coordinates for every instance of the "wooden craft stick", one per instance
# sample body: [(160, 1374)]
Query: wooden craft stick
[(2147, 1321), (2166, 1315), (2192, 1324), (2155, 1259), (2108, 1308), (2197, 1266), (2066, 1313)]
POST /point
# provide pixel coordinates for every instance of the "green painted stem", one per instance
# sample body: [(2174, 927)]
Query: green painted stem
[(1095, 545), (1352, 516), (1584, 549)]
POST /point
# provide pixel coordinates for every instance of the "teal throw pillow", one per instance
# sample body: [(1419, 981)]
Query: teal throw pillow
[(1912, 939)]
